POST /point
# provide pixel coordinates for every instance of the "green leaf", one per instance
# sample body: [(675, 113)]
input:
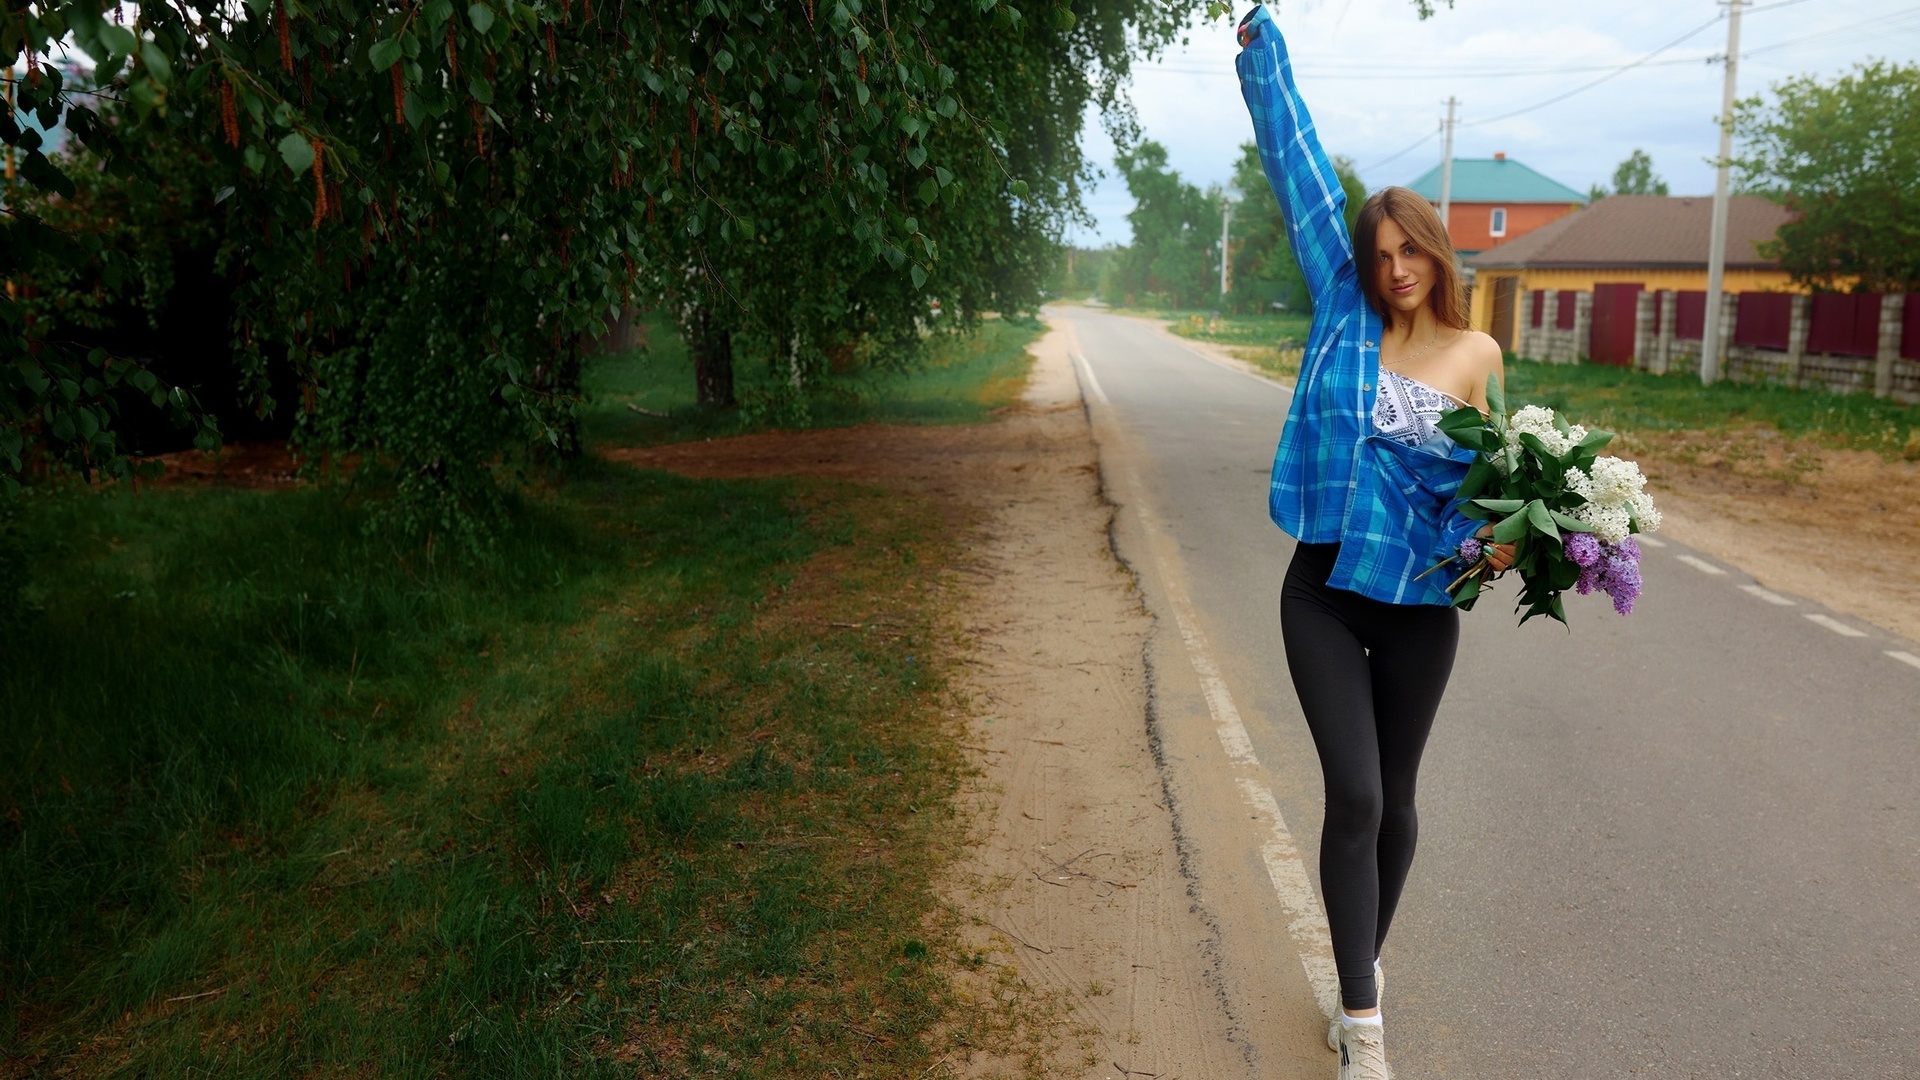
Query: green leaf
[(916, 156), (481, 16), (159, 68), (384, 54), (946, 106), (297, 152), (723, 60), (118, 39), (1018, 188), (1502, 506), (1511, 528), (481, 89), (1479, 475), (919, 274), (1569, 523), (929, 190), (1496, 397), (1542, 519), (1468, 428), (942, 174)]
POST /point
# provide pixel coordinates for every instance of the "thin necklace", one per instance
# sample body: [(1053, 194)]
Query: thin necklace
[(1416, 352)]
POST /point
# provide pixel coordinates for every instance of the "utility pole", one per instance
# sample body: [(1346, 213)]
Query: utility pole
[(1710, 343), (1446, 165), (1226, 229)]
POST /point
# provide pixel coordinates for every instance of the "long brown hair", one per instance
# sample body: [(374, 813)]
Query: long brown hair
[(1417, 218)]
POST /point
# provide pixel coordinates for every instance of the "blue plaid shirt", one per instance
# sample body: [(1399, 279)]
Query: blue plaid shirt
[(1390, 506)]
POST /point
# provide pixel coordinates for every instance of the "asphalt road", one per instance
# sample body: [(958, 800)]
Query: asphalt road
[(1685, 843)]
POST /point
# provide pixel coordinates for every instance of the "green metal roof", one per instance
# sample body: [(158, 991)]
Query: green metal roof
[(1496, 180)]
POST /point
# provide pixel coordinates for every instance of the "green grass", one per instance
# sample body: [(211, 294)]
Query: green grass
[(657, 784), (1271, 342), (958, 380), (1620, 399)]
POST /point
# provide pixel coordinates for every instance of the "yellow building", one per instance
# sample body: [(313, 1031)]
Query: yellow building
[(1654, 241)]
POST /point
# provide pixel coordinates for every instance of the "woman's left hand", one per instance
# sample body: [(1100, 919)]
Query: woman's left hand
[(1499, 556)]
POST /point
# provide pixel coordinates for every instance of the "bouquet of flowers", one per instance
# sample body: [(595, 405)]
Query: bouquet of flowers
[(1569, 511)]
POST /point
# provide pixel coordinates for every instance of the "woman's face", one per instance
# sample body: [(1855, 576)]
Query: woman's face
[(1403, 274)]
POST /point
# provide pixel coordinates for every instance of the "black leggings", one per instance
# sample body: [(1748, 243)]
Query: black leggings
[(1370, 676)]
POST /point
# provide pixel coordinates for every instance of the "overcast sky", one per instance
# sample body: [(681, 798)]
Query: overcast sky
[(1376, 79)]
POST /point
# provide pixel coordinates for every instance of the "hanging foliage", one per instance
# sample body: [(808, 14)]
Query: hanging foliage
[(424, 206)]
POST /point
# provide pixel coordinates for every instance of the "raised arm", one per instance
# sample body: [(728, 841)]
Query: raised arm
[(1302, 178)]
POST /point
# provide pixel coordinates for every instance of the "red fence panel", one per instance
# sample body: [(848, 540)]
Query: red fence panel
[(1910, 327), (1539, 305), (1845, 324), (1613, 312), (1763, 320), (1563, 309), (1689, 315)]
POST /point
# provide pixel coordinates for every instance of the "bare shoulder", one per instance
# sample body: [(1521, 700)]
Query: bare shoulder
[(1470, 359), (1480, 348)]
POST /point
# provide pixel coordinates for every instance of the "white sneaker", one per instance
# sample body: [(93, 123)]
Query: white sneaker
[(1363, 1053), (1379, 991)]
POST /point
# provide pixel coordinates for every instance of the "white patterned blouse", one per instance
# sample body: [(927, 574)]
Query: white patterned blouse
[(1407, 410)]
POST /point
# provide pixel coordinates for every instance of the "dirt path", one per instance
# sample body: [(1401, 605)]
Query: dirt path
[(1070, 890)]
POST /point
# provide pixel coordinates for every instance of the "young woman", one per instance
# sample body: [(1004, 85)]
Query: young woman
[(1366, 484)]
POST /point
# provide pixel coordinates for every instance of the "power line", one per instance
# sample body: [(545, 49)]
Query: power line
[(1391, 158), (1621, 70)]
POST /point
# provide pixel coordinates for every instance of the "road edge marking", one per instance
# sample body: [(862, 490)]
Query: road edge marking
[(1834, 625), (1093, 381), (1904, 657), (1768, 595), (1700, 564)]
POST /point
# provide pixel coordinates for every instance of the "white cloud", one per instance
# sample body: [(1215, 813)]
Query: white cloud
[(1376, 77)]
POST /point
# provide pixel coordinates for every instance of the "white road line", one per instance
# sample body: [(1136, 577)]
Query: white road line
[(1904, 657), (1648, 541), (1306, 920), (1768, 595), (1835, 625), (1701, 565), (1093, 383)]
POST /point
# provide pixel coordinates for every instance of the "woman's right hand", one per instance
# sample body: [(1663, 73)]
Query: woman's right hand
[(1499, 556)]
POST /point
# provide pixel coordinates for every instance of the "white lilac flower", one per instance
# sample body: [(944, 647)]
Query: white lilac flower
[(1537, 421), (1580, 484), (1609, 522), (1616, 482), (1645, 514)]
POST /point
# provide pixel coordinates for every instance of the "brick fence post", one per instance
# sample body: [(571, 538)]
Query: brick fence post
[(1669, 314), (1643, 331), (1729, 318), (1892, 306), (1799, 319), (1582, 326)]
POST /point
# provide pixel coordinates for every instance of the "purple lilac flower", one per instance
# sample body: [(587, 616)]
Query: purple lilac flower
[(1623, 575), (1614, 570), (1583, 549), (1471, 549)]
